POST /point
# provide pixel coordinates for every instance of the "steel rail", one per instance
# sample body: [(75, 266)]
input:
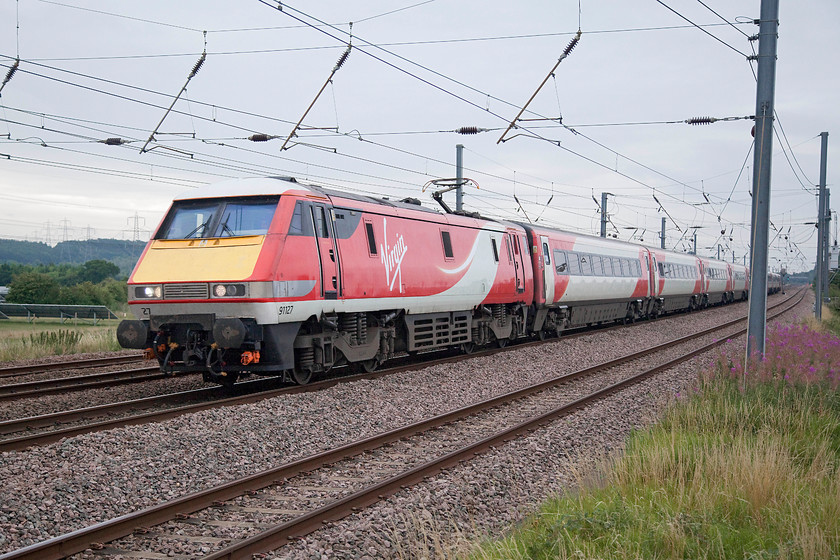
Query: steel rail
[(14, 371), (80, 383), (77, 541)]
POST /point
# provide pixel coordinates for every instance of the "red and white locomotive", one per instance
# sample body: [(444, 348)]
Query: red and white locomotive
[(270, 276)]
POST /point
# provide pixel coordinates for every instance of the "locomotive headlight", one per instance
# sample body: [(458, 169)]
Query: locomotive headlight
[(148, 292), (229, 290)]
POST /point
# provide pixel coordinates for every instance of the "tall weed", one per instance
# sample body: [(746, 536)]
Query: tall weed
[(57, 342)]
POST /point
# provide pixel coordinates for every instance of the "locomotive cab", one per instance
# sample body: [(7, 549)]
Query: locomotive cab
[(200, 287)]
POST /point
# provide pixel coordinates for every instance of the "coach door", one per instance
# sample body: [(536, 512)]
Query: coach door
[(518, 262), (330, 266), (548, 271), (654, 276)]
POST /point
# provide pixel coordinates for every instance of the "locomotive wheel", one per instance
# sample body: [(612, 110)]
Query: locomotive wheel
[(370, 365), (301, 377), (469, 347), (501, 342), (542, 334)]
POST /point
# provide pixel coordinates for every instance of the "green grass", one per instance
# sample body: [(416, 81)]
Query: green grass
[(20, 340), (747, 468)]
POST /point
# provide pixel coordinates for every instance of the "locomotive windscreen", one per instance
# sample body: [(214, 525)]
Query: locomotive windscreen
[(233, 217)]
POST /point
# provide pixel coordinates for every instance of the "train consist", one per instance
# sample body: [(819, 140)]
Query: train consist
[(271, 276)]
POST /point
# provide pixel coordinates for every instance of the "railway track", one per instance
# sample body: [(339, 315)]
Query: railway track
[(22, 433), (266, 510), (31, 389), (15, 371)]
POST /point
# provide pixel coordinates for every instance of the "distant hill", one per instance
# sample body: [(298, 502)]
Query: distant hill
[(122, 253)]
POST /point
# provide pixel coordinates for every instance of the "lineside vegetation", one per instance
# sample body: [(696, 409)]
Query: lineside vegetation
[(20, 340), (747, 467)]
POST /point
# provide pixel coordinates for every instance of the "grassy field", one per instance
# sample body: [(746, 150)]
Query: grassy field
[(745, 468), (20, 340)]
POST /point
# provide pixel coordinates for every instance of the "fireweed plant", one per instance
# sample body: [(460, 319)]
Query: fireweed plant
[(794, 354)]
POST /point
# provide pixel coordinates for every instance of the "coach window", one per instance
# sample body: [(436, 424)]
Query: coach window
[(637, 267), (586, 265), (447, 245), (625, 268), (560, 263), (495, 249), (574, 264), (597, 265), (507, 249), (546, 254), (371, 239)]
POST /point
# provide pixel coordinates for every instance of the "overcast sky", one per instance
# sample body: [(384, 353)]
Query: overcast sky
[(419, 70)]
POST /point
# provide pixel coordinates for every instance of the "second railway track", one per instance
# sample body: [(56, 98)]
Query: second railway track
[(32, 389), (16, 371)]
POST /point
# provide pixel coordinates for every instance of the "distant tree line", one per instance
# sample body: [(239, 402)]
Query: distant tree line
[(120, 252), (92, 283)]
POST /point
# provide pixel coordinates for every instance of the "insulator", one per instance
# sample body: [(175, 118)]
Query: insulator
[(260, 137), (198, 64), (572, 44), (700, 120), (113, 141), (469, 130), (342, 60), (11, 72)]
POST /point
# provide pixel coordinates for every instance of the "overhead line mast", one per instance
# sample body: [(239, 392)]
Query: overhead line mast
[(765, 93)]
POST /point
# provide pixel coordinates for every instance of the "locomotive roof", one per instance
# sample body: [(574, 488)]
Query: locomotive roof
[(259, 186), (273, 186)]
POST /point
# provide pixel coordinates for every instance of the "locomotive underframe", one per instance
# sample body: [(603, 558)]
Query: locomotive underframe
[(217, 347), (369, 339)]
